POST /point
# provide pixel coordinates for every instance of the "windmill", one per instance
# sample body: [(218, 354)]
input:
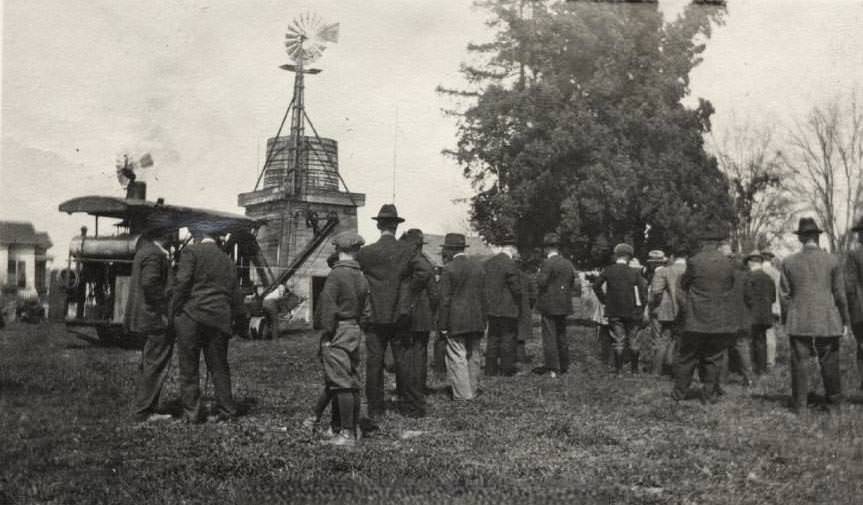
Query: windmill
[(305, 41), (128, 169)]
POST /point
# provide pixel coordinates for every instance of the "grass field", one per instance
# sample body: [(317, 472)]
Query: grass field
[(585, 438)]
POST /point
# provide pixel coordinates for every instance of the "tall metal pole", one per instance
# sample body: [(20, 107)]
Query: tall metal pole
[(297, 129)]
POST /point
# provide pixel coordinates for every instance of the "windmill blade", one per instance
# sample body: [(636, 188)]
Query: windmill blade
[(329, 33), (146, 161), (307, 37)]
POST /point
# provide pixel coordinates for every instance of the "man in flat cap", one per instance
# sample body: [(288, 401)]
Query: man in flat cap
[(711, 318), (462, 315), (147, 316), (557, 283), (854, 291), (815, 308), (624, 297), (386, 264), (206, 301), (342, 310), (503, 303)]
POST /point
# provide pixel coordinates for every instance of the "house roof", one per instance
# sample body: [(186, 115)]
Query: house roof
[(22, 233), (432, 248)]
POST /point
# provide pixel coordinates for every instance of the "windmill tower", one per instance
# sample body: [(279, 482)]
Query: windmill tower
[(299, 187)]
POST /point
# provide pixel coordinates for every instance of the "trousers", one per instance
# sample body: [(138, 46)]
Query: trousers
[(463, 364), (500, 346), (759, 348), (192, 339), (665, 343), (857, 329), (702, 350), (410, 353), (624, 332), (555, 346), (152, 372), (377, 340), (826, 349)]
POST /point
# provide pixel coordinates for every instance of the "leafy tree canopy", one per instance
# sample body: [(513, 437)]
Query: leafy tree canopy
[(577, 126)]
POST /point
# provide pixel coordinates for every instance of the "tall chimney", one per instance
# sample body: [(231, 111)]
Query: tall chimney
[(136, 190)]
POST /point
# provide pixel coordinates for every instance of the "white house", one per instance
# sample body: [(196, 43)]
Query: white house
[(23, 258)]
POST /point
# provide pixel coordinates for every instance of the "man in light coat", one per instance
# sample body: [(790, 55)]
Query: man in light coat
[(769, 267), (665, 301), (816, 315)]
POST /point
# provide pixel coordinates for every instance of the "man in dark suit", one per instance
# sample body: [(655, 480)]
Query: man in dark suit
[(206, 300), (502, 300), (147, 316), (816, 315), (556, 281), (624, 297), (386, 264), (759, 295), (462, 314), (420, 306), (710, 312), (854, 293)]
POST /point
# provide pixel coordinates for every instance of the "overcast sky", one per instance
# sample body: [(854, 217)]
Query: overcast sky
[(196, 83)]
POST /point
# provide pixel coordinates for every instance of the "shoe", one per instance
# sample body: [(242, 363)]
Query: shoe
[(552, 374), (155, 418), (342, 439), (310, 422), (328, 433)]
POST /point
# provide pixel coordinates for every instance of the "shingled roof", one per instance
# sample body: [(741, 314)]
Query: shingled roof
[(23, 233)]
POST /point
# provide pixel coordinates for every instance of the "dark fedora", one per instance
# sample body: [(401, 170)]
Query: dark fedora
[(551, 238), (454, 241), (388, 212), (807, 225), (414, 235), (859, 226)]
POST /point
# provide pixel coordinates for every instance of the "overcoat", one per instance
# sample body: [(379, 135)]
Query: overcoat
[(854, 284), (462, 300), (207, 289), (708, 286), (813, 294), (385, 264), (759, 295), (502, 286), (556, 282), (622, 282), (148, 297), (420, 303)]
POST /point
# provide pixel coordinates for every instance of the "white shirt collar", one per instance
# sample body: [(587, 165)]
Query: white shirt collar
[(552, 254), (504, 251), (620, 261), (456, 255), (206, 240), (679, 261)]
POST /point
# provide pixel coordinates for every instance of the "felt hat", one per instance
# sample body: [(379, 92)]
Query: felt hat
[(348, 240), (414, 235), (388, 212), (807, 225), (551, 238), (454, 241), (656, 256), (624, 250)]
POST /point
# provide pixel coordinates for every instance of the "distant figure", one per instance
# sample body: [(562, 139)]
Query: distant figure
[(502, 300), (710, 319), (461, 318), (420, 303), (343, 308), (665, 300), (816, 315), (206, 301), (854, 290), (769, 267), (624, 298), (759, 294), (147, 316), (557, 282), (386, 264)]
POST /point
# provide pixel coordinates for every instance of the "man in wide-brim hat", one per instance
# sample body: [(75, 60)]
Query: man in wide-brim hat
[(712, 314), (557, 282), (816, 314), (854, 290), (386, 264), (461, 316)]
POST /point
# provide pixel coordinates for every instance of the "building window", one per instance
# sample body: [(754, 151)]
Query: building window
[(16, 273), (22, 274)]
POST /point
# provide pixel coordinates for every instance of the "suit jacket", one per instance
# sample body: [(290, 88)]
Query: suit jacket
[(854, 284), (344, 296), (502, 287), (813, 294), (759, 295), (744, 315), (386, 263), (419, 303), (207, 289), (621, 283), (708, 285), (557, 282), (665, 291), (148, 290), (462, 300)]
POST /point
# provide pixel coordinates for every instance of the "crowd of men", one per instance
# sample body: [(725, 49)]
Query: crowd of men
[(697, 309)]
